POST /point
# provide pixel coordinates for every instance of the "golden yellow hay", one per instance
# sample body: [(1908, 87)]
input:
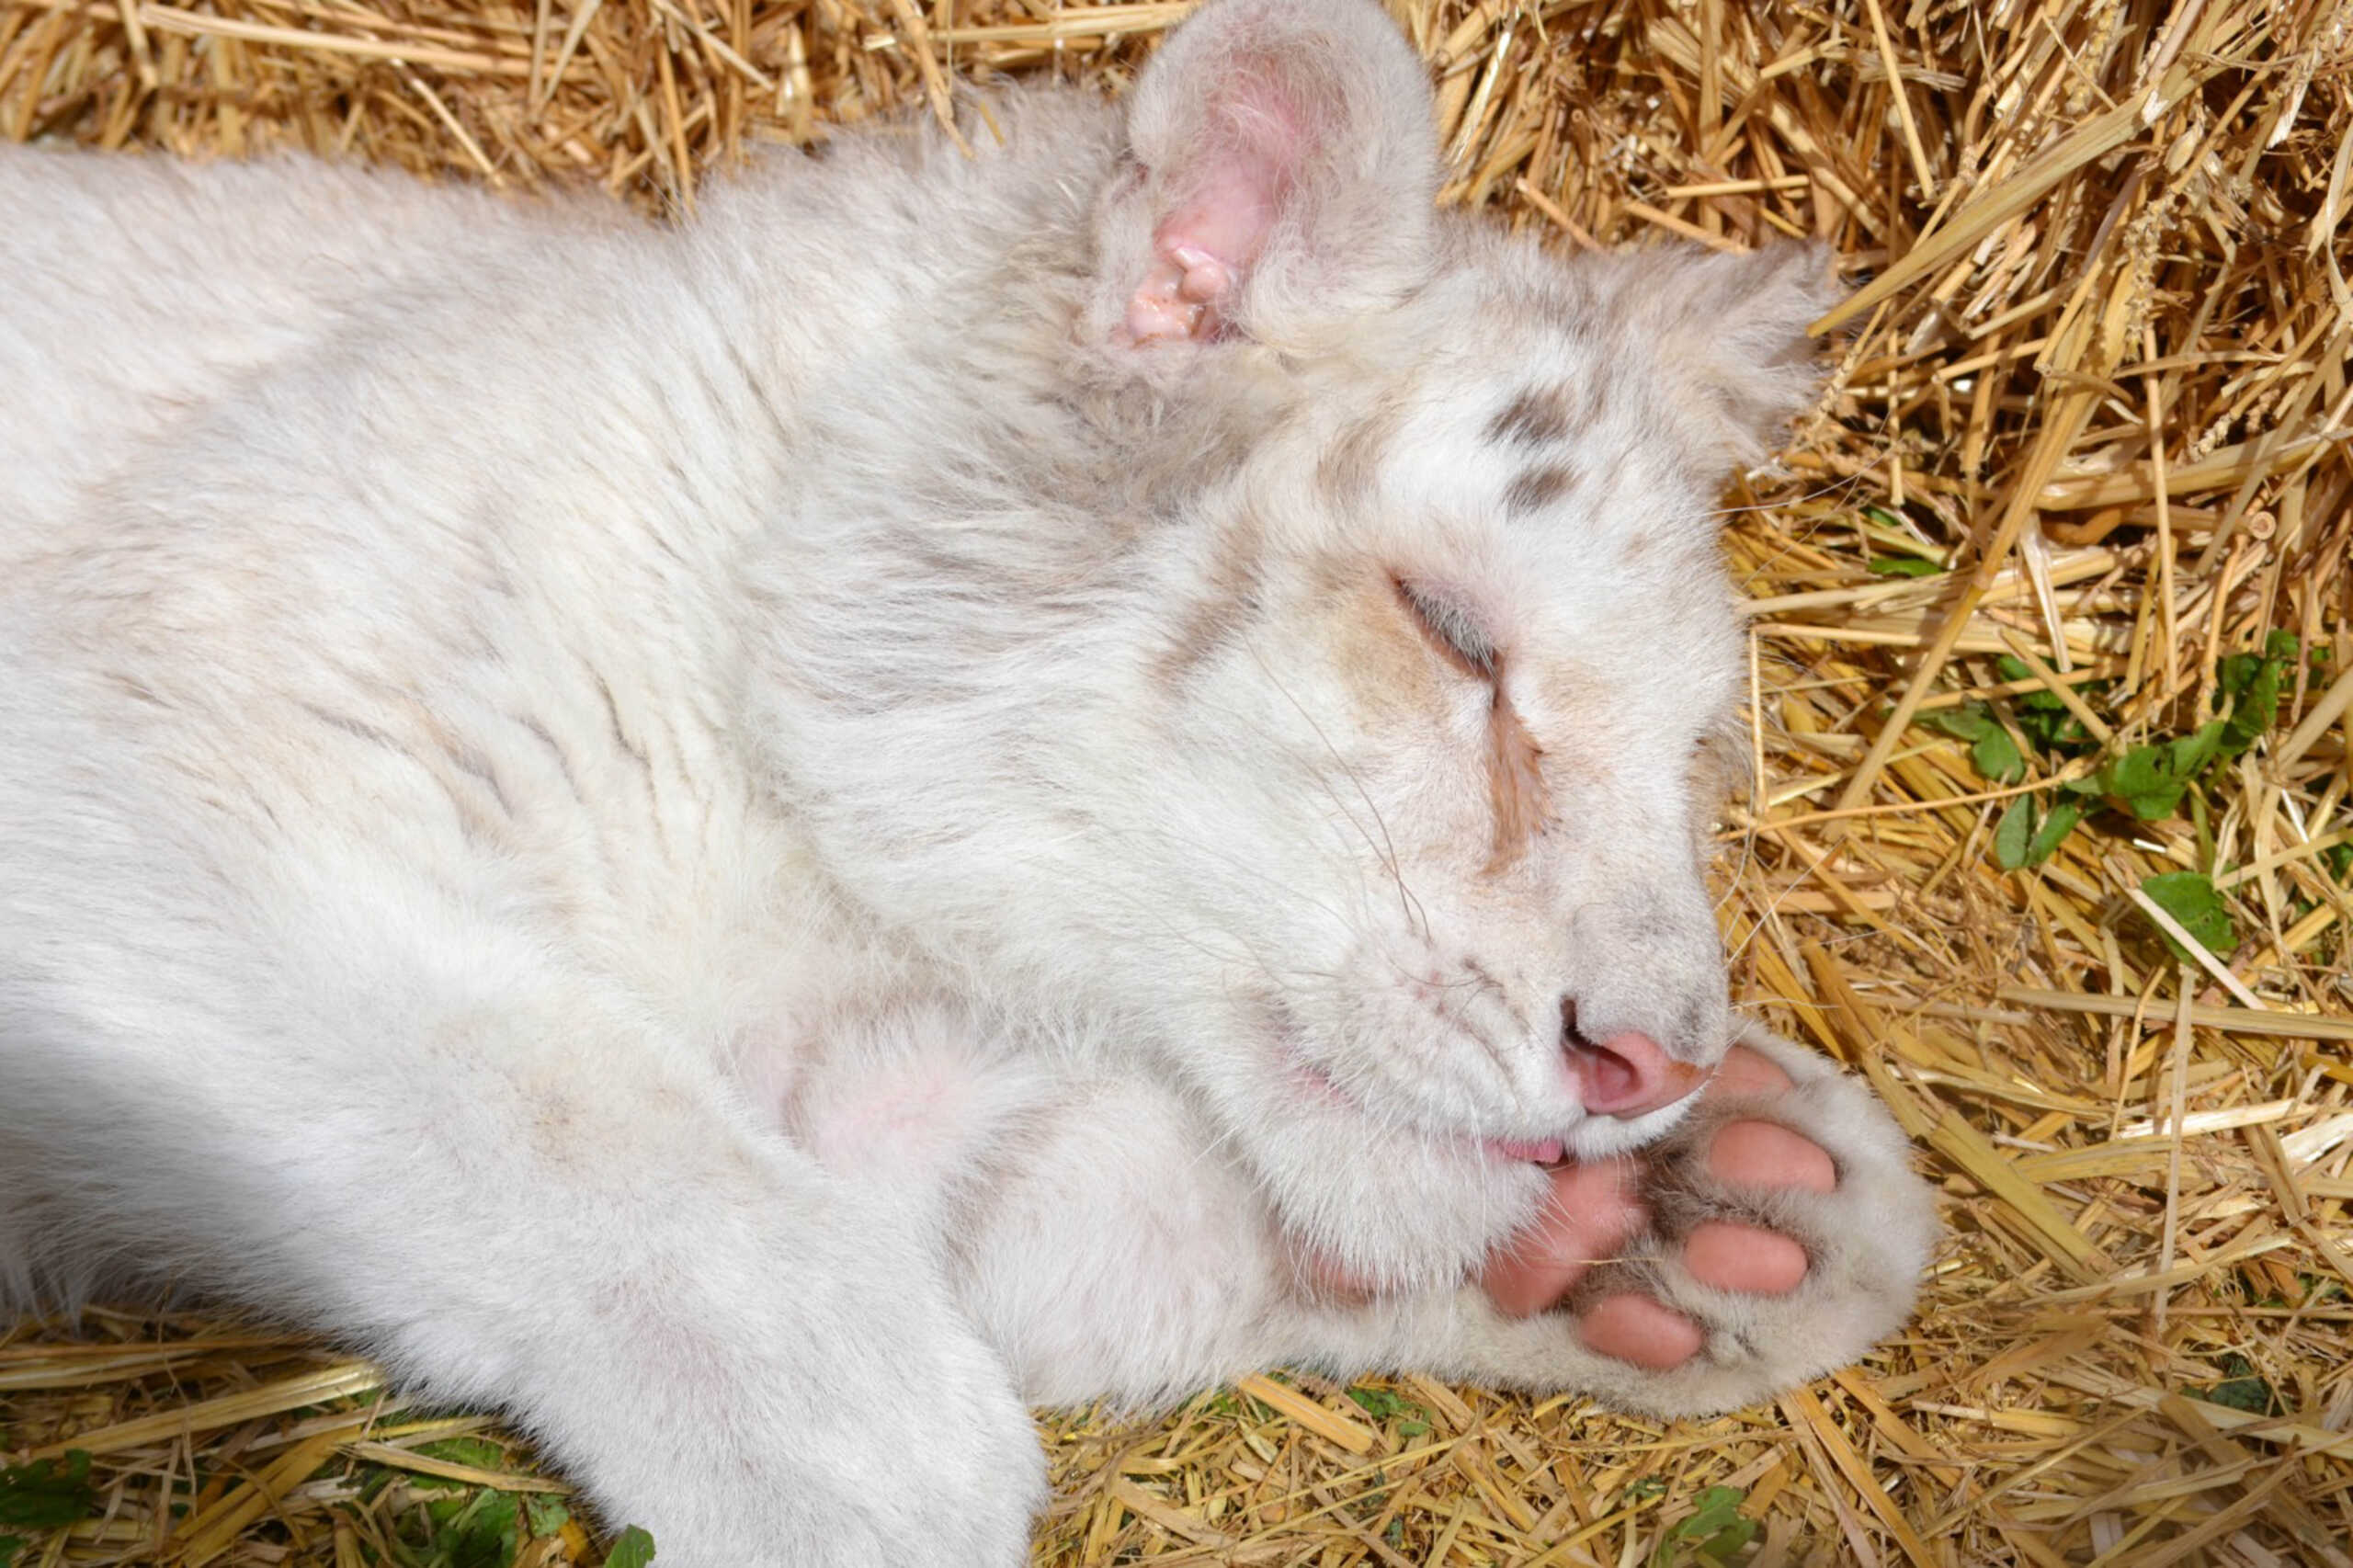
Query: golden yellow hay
[(2087, 445)]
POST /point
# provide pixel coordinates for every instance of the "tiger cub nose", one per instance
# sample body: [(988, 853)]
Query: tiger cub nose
[(1626, 1075)]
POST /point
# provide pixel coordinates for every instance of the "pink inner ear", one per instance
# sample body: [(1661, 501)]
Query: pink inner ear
[(1206, 245)]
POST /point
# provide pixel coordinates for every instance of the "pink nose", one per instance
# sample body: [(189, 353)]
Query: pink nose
[(1629, 1074)]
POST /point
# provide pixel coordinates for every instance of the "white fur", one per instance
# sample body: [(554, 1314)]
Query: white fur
[(757, 841)]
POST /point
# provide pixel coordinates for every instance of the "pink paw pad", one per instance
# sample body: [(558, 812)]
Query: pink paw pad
[(1637, 1329), (1761, 1153), (1732, 1257), (1594, 1208)]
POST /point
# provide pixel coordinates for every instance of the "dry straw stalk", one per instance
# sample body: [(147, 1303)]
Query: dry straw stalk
[(2092, 384)]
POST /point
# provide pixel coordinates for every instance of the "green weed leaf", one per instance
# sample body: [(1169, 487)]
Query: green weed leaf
[(2140, 771), (2042, 718), (2192, 752), (1714, 1529), (1383, 1403), (476, 1453), (2053, 831), (1902, 567), (2256, 711), (1996, 757), (487, 1533), (2151, 782), (2232, 675), (2251, 684), (1969, 721), (2190, 897), (2036, 701), (632, 1549), (47, 1494), (2014, 832), (1725, 1544), (2241, 1389), (2143, 782), (2027, 836)]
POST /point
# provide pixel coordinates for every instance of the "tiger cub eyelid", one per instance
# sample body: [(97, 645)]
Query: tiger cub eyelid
[(1446, 623)]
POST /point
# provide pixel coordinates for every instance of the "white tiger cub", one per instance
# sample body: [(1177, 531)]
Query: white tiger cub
[(969, 781)]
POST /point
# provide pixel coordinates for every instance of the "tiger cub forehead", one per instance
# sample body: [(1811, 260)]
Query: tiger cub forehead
[(1527, 486)]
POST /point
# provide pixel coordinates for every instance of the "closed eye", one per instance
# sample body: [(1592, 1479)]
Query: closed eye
[(1450, 630)]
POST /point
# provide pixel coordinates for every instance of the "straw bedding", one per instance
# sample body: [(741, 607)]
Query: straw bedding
[(2080, 490)]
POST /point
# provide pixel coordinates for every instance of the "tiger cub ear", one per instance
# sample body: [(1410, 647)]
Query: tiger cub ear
[(1283, 168), (1731, 333)]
